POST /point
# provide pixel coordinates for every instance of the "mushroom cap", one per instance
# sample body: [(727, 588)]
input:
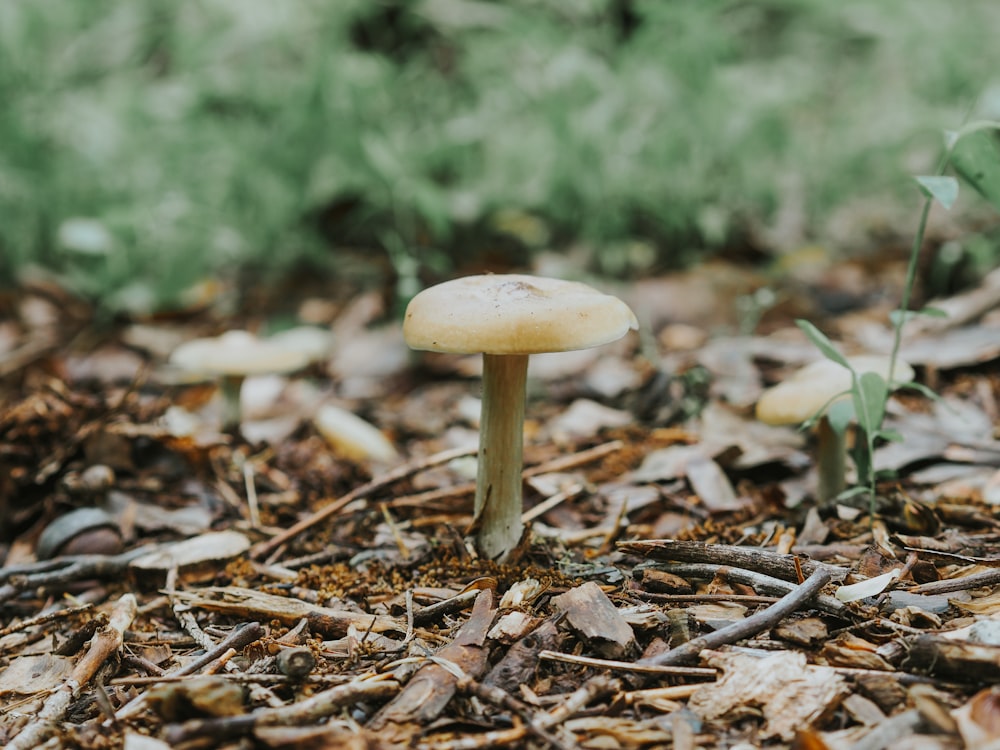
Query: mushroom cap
[(513, 314), (236, 353), (805, 392)]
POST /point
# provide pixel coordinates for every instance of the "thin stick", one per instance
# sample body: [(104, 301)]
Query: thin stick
[(61, 571), (975, 580), (402, 472), (627, 666), (308, 711), (242, 636), (43, 619), (551, 502), (562, 463), (746, 628), (252, 504), (415, 467), (105, 643)]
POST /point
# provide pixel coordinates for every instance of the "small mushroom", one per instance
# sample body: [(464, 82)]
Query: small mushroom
[(814, 388), (316, 344), (506, 318), (233, 356)]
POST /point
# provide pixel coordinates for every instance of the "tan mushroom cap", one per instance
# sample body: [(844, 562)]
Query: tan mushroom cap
[(514, 314), (237, 353), (805, 392)]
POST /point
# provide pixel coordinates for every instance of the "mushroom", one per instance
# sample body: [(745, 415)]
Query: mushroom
[(233, 356), (506, 318), (812, 390)]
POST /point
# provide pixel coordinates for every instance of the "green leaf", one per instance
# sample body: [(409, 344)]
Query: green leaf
[(839, 415), (899, 316), (976, 126), (851, 492), (870, 394), (893, 436), (976, 158), (921, 389), (943, 189), (822, 342)]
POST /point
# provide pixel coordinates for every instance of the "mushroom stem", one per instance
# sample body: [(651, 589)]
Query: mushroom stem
[(831, 460), (501, 444), (230, 386)]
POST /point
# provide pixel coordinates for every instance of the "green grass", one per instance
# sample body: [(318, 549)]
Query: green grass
[(215, 136)]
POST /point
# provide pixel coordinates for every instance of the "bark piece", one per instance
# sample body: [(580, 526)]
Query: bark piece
[(594, 618), (978, 721), (953, 660), (790, 695), (805, 632), (432, 687), (518, 665)]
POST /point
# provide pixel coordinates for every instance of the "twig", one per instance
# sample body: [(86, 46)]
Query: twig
[(750, 558), (310, 710), (591, 690), (258, 692), (752, 625), (502, 699), (736, 598), (594, 688), (43, 619), (242, 636), (105, 644), (402, 472), (627, 666), (562, 463), (759, 581), (266, 678), (67, 570), (986, 578), (407, 470)]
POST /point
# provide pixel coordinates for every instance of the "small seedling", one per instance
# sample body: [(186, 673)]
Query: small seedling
[(978, 161)]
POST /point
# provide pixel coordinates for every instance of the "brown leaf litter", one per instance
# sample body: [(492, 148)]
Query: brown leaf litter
[(677, 588)]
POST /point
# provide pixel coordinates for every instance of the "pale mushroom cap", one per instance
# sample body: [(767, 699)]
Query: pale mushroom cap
[(514, 314), (316, 344), (805, 392), (236, 353)]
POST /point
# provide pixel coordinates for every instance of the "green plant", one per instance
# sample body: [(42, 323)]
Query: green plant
[(973, 153), (208, 138)]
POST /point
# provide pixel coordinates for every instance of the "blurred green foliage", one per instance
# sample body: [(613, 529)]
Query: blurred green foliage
[(149, 144)]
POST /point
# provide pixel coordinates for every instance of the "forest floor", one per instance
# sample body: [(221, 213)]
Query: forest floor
[(677, 586)]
